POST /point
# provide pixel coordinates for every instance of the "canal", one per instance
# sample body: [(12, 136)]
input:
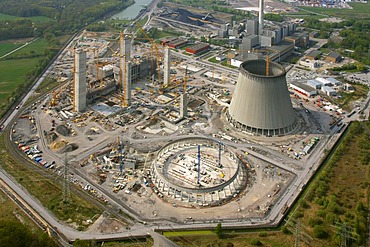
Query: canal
[(132, 11)]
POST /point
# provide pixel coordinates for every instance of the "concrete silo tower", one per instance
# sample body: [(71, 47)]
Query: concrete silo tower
[(79, 101), (261, 103)]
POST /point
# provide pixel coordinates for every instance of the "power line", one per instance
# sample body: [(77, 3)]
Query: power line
[(345, 233), (66, 187)]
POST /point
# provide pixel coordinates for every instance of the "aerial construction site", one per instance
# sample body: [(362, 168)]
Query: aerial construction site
[(172, 139)]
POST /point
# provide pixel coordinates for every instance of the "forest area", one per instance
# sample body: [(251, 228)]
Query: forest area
[(65, 16), (353, 35)]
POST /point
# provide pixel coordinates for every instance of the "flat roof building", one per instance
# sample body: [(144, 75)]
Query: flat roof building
[(333, 57), (303, 89), (197, 48), (328, 91), (313, 55), (314, 84)]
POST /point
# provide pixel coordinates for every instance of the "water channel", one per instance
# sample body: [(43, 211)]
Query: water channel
[(132, 11)]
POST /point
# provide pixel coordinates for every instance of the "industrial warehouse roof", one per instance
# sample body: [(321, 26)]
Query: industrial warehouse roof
[(334, 55), (303, 86)]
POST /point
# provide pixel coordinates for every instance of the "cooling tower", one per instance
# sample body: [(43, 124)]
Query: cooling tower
[(261, 103)]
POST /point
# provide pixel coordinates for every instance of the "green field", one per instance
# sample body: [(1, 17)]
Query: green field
[(359, 11), (5, 17), (12, 74), (35, 48), (14, 71), (10, 211), (8, 47)]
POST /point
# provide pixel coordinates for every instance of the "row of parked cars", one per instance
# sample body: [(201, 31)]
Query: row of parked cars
[(35, 154)]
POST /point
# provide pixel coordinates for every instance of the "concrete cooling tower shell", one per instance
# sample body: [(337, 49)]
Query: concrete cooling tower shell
[(261, 104)]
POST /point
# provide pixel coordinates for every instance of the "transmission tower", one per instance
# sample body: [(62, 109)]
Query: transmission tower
[(345, 233), (299, 231), (66, 188)]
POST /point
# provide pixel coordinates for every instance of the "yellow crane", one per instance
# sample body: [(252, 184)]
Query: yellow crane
[(156, 52), (267, 51), (185, 78)]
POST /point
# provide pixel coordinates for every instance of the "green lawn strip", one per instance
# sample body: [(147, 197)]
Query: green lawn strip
[(183, 233), (347, 98), (8, 47), (237, 240), (360, 11), (49, 192), (10, 211), (224, 63), (147, 242), (213, 60)]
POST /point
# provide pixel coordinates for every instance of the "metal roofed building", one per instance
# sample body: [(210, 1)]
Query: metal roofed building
[(315, 84), (261, 103), (304, 89), (197, 48), (329, 91), (333, 57)]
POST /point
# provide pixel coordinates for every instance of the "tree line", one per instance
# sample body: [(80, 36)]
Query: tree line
[(354, 35), (66, 15)]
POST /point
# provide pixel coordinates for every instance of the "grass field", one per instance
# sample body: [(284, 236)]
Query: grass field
[(359, 11), (8, 47), (36, 48), (5, 17), (348, 98), (13, 73), (10, 211)]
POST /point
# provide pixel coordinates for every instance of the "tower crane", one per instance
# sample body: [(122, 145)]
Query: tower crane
[(268, 57), (185, 78), (156, 52)]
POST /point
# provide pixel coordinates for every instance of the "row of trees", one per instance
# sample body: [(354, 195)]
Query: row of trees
[(354, 35), (16, 29), (333, 206), (14, 233), (66, 15)]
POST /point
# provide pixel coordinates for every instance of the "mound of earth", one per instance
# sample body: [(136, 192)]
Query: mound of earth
[(50, 137), (63, 130), (92, 131), (58, 145), (69, 148)]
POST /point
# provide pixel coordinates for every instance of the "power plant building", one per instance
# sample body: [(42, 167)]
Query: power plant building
[(261, 103)]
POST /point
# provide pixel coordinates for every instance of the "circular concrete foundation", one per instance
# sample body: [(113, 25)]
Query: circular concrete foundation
[(197, 171)]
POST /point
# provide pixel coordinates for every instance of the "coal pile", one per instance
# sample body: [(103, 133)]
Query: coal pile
[(63, 130), (50, 137), (68, 148)]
